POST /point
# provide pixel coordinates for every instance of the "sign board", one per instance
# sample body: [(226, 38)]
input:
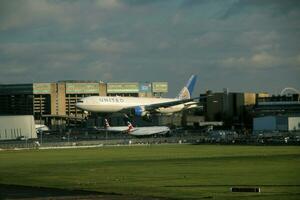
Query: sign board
[(41, 88), (82, 88), (123, 87), (161, 87), (145, 87)]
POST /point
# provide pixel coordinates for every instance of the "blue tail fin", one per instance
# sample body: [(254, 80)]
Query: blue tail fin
[(186, 91)]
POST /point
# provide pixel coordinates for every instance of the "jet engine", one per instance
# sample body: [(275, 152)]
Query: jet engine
[(140, 111)]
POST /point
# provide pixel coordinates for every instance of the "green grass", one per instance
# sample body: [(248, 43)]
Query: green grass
[(175, 171)]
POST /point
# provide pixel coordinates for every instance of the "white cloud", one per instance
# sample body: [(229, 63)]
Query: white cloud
[(12, 69), (37, 48), (295, 62), (256, 61), (264, 60), (36, 58), (100, 70), (208, 39), (176, 18), (65, 14), (258, 40), (232, 61), (116, 39), (163, 45), (105, 45), (67, 57), (109, 4), (298, 60), (30, 12)]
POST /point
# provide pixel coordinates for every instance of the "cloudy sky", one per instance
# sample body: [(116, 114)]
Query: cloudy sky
[(243, 45)]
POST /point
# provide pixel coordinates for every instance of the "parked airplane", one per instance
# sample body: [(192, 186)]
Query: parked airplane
[(148, 130), (141, 106), (107, 127), (39, 128), (138, 131)]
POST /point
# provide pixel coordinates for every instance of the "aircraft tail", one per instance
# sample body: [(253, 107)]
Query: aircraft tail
[(130, 127), (106, 124), (186, 91)]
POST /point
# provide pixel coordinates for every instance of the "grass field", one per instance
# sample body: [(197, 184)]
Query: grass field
[(173, 171)]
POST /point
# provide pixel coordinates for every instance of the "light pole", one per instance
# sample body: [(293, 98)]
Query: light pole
[(41, 137), (26, 142)]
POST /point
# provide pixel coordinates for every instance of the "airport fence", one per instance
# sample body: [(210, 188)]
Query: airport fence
[(57, 141)]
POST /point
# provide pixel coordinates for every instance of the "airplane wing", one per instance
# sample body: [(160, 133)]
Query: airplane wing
[(154, 106), (113, 129), (117, 129), (147, 131), (168, 104)]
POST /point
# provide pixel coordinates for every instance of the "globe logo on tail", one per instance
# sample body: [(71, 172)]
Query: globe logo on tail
[(184, 93)]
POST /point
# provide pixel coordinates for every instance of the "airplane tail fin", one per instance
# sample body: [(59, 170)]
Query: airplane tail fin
[(106, 124), (130, 127), (186, 91)]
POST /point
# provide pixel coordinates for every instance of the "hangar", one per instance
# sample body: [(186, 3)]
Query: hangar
[(17, 127)]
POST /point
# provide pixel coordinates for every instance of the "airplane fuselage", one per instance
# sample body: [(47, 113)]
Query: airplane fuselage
[(107, 104), (153, 130)]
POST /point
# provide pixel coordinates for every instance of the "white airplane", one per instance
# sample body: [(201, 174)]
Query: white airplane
[(147, 130), (39, 128), (107, 127), (138, 131), (142, 106)]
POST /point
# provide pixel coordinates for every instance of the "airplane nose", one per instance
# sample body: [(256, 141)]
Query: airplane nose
[(78, 105)]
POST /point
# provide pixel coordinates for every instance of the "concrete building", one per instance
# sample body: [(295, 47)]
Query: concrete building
[(232, 108), (278, 105), (40, 99), (276, 123), (224, 105)]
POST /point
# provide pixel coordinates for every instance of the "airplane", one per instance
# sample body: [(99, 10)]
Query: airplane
[(147, 130), (137, 131), (107, 127), (39, 128), (142, 106)]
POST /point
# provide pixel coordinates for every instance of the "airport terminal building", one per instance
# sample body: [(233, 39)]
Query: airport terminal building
[(54, 104)]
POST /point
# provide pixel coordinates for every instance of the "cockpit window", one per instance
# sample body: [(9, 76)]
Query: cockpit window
[(80, 101)]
